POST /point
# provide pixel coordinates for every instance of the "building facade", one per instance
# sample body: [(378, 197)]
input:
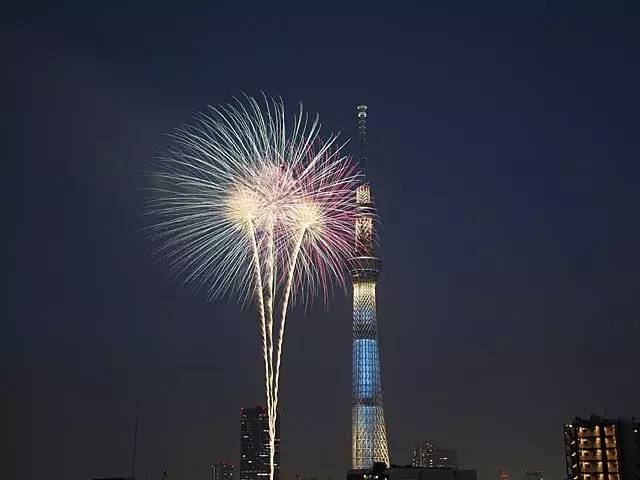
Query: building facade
[(503, 474), (533, 475), (254, 444), (409, 472), (368, 429), (428, 455), (222, 470), (602, 449)]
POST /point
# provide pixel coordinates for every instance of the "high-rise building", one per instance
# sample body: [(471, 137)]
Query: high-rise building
[(602, 449), (368, 429), (429, 455), (222, 470), (254, 444), (533, 475)]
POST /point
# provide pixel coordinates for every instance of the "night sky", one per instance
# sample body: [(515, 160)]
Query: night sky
[(504, 157)]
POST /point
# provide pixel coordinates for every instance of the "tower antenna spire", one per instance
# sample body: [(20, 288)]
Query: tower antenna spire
[(361, 119)]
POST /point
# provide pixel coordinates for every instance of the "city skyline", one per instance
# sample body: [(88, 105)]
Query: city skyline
[(504, 167)]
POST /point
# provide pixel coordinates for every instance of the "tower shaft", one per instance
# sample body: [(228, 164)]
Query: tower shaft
[(369, 435)]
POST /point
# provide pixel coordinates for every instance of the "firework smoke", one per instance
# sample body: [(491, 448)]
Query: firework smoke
[(251, 206)]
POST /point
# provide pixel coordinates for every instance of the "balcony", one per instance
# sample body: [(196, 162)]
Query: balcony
[(592, 476), (610, 442), (587, 455), (612, 454), (584, 432), (591, 467), (589, 443)]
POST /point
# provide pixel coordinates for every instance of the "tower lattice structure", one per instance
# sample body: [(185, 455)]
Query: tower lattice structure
[(368, 429)]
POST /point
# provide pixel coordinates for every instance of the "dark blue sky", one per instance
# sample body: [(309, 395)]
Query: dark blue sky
[(505, 153)]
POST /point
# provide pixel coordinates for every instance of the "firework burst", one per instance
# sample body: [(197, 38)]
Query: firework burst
[(252, 206)]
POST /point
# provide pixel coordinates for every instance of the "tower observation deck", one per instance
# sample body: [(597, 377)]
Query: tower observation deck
[(369, 433)]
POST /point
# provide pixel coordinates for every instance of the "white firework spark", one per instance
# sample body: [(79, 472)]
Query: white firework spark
[(256, 208)]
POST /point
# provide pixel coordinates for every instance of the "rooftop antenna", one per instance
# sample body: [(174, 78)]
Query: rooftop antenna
[(361, 119), (135, 443)]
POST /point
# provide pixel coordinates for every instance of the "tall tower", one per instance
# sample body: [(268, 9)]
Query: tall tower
[(368, 430)]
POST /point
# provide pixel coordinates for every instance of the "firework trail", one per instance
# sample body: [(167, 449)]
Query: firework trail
[(252, 206)]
